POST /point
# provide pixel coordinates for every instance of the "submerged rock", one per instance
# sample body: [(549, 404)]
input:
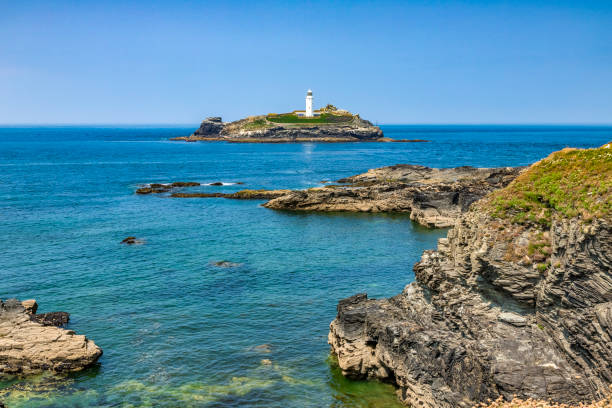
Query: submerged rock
[(227, 264), (482, 320), (132, 241), (27, 346), (159, 188)]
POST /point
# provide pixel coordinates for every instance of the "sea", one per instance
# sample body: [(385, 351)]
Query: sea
[(176, 329)]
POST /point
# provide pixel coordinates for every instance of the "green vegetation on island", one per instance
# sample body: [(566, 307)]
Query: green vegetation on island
[(288, 118)]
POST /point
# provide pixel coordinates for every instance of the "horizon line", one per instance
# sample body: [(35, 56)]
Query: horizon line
[(170, 124)]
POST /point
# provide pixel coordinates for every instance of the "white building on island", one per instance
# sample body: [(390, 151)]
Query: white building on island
[(309, 112), (309, 104)]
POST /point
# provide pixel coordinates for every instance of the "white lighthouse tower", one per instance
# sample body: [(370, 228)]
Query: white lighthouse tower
[(309, 104)]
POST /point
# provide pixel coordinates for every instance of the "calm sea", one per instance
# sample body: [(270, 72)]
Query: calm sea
[(176, 329)]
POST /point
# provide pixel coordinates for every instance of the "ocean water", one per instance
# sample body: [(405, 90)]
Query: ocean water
[(177, 330)]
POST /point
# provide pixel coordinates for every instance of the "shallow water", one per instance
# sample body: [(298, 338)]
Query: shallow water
[(176, 329)]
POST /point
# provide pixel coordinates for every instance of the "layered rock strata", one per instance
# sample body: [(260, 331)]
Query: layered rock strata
[(432, 197), (511, 304), (31, 343)]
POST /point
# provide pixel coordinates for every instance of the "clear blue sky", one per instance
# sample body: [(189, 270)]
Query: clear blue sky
[(121, 62)]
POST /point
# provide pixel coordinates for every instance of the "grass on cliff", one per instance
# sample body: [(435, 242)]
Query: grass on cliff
[(570, 183), (323, 118), (257, 124)]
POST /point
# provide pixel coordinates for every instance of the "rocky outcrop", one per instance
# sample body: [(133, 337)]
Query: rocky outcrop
[(30, 342), (503, 306), (159, 188), (258, 129), (210, 127), (238, 195), (432, 197)]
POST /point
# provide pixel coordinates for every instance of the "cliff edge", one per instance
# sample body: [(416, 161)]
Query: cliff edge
[(516, 301)]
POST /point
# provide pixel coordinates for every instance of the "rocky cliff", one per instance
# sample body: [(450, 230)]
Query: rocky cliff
[(30, 342), (516, 301), (260, 129), (432, 197)]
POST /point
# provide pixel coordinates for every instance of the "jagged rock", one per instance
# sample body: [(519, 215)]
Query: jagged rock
[(432, 197), (57, 319), (211, 126), (30, 306), (27, 346), (482, 319), (475, 325)]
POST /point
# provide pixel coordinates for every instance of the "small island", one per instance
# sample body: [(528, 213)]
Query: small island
[(328, 124)]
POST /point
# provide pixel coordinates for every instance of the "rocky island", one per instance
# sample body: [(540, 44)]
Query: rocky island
[(328, 124), (515, 302), (288, 128), (31, 343)]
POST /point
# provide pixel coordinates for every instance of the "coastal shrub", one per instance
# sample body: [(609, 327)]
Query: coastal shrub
[(570, 183), (256, 124)]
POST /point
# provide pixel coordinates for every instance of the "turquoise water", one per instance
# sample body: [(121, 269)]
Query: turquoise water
[(176, 329)]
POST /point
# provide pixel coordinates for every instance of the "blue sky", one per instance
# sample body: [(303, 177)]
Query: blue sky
[(121, 62)]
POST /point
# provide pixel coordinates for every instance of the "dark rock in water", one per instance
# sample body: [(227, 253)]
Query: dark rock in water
[(132, 241), (185, 184), (227, 264), (32, 343), (239, 183), (158, 188), (57, 319), (263, 348), (239, 195), (217, 183)]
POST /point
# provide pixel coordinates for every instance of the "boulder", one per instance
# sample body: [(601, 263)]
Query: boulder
[(27, 346)]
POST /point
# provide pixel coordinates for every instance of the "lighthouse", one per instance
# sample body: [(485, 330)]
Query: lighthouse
[(309, 104)]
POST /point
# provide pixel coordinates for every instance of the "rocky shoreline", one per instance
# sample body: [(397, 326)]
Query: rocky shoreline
[(258, 129), (31, 343), (432, 197), (515, 302)]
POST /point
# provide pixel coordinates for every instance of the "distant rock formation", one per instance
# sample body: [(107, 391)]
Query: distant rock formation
[(516, 301), (31, 343), (260, 129)]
